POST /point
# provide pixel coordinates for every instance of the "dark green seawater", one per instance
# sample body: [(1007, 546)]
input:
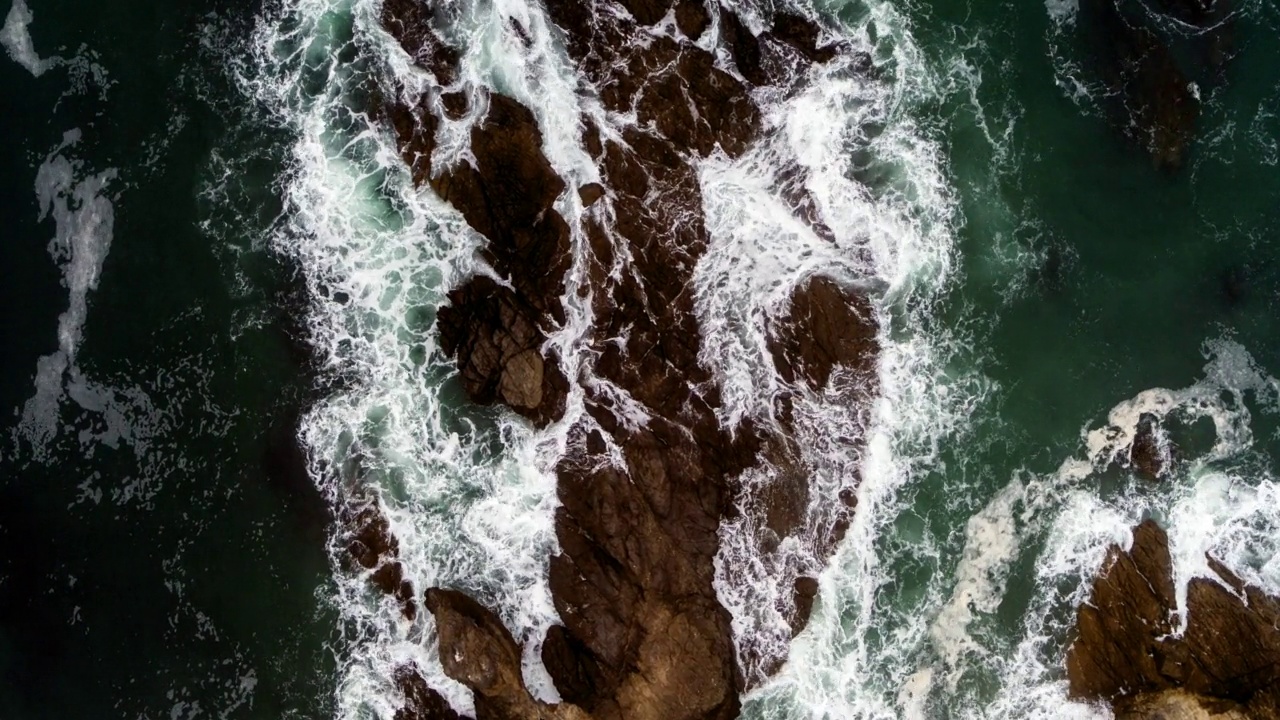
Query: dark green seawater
[(163, 552), (176, 570)]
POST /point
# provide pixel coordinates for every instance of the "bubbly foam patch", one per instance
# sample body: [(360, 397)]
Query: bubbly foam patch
[(16, 39), (83, 216)]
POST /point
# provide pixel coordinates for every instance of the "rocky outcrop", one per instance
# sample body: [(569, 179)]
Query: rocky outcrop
[(1126, 653), (478, 651), (420, 701), (827, 326), (1151, 455), (644, 635)]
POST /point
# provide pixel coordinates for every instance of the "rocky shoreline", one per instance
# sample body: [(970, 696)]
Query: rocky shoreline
[(1129, 652), (644, 635), (641, 503)]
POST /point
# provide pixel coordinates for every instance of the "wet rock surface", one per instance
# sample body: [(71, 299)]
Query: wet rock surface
[(826, 326), (644, 635), (478, 651), (1225, 664), (420, 701), (1151, 455)]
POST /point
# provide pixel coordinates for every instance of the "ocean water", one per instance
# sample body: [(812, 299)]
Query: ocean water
[(219, 290)]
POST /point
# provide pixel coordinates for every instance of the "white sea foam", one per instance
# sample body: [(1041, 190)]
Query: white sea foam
[(16, 39), (469, 493), (878, 179), (83, 216)]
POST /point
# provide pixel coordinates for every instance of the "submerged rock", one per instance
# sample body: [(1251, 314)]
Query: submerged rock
[(1154, 64), (1150, 454), (1126, 653)]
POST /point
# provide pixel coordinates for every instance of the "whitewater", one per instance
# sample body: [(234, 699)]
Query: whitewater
[(920, 613)]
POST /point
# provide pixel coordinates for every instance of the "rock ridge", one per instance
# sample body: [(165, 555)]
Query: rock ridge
[(1225, 664), (643, 634)]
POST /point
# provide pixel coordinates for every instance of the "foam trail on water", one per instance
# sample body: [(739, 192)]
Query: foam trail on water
[(16, 39), (83, 217)]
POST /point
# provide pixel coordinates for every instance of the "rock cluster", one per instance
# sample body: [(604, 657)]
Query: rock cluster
[(644, 635), (1226, 664)]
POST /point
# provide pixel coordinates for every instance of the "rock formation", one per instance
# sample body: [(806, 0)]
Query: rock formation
[(1151, 454), (1225, 664), (644, 635)]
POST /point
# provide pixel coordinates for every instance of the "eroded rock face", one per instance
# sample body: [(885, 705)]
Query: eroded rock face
[(1228, 660), (644, 635), (420, 701), (477, 650)]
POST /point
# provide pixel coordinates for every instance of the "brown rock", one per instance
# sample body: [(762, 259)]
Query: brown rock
[(1148, 456), (494, 334), (372, 546), (806, 589), (477, 650), (590, 193), (507, 195), (409, 22), (692, 18), (743, 46), (801, 33), (420, 701), (644, 635), (827, 326), (1124, 651)]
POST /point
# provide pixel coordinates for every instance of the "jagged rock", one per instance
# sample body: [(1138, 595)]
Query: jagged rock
[(802, 34), (497, 332), (644, 635), (692, 18), (804, 591), (1146, 455), (477, 650), (494, 334), (409, 23), (420, 701), (827, 326), (590, 193), (371, 544), (1125, 653), (777, 55)]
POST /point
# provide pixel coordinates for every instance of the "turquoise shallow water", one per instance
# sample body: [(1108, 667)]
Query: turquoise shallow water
[(180, 570)]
